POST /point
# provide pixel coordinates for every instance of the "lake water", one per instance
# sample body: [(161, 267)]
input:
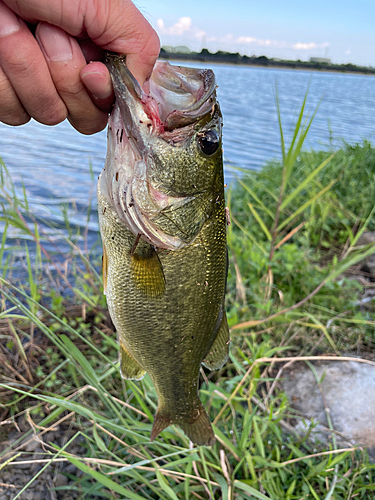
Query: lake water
[(54, 162)]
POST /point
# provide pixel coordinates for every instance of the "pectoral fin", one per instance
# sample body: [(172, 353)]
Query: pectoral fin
[(105, 269), (129, 368), (219, 351), (147, 274)]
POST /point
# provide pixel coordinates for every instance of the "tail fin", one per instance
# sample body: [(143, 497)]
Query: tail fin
[(197, 425), (161, 421)]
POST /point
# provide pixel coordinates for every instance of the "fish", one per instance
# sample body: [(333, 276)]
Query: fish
[(162, 221)]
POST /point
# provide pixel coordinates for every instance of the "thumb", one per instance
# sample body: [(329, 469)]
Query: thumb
[(125, 31)]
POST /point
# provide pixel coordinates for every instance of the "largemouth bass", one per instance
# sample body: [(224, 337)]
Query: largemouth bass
[(162, 221)]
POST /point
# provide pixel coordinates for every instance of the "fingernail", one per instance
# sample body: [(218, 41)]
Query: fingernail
[(97, 83), (55, 43), (9, 22)]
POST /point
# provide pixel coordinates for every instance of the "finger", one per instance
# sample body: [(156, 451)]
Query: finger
[(96, 78), (25, 67), (11, 110), (117, 25), (126, 32), (83, 114), (91, 51), (142, 58), (95, 75)]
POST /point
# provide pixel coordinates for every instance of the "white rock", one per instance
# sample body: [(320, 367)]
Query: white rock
[(349, 391)]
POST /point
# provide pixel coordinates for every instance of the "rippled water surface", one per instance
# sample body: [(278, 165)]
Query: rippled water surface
[(54, 162)]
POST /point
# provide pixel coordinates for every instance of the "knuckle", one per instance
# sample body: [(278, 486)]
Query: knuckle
[(21, 67), (90, 125), (51, 118), (51, 112), (15, 120), (154, 44), (34, 88), (147, 44), (70, 88), (11, 110), (69, 92)]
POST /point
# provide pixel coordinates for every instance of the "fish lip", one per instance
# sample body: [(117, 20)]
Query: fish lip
[(121, 76), (194, 88), (128, 95), (200, 84)]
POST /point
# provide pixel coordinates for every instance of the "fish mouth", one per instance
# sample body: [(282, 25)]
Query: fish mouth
[(183, 95), (176, 99), (176, 96)]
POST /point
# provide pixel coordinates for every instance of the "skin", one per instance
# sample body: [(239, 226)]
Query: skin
[(50, 52)]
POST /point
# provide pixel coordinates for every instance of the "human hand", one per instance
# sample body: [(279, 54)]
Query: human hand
[(46, 76)]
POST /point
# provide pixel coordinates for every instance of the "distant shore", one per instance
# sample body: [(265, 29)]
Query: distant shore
[(263, 61)]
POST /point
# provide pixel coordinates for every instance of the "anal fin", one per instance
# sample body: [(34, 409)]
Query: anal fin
[(219, 351), (147, 274), (129, 368)]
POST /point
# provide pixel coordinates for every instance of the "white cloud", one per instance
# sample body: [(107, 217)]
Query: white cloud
[(259, 42), (184, 31), (182, 25), (310, 46), (246, 39), (199, 33), (348, 52), (304, 46), (279, 44), (227, 38)]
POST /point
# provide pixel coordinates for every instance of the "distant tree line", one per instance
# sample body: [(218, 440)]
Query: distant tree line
[(236, 58)]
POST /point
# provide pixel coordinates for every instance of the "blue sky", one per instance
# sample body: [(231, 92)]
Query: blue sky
[(343, 30)]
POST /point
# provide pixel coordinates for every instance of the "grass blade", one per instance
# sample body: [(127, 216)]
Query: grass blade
[(242, 485), (305, 182), (260, 222), (303, 207), (104, 480)]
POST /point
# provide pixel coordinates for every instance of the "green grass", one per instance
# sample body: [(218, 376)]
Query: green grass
[(293, 237), (289, 260)]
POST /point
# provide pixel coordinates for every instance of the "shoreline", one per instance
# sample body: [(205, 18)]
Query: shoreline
[(270, 64)]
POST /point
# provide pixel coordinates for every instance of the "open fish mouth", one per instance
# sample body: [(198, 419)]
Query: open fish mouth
[(182, 94), (176, 96), (142, 122)]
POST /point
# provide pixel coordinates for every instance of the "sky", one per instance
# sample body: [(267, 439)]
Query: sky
[(343, 30)]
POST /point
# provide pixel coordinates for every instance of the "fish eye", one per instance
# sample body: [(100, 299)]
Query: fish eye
[(208, 142)]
